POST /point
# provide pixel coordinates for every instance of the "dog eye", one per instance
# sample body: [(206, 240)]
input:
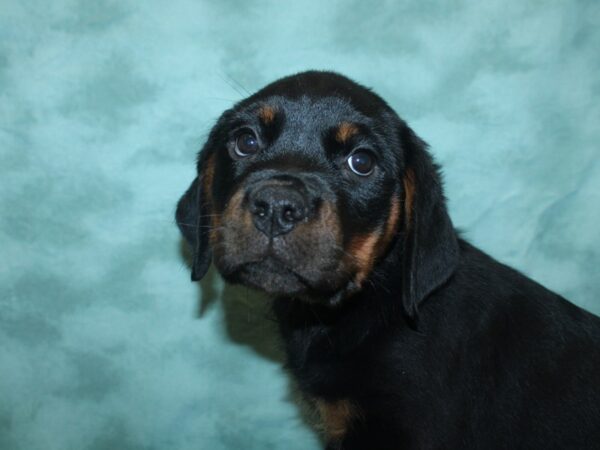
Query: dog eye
[(246, 144), (361, 162)]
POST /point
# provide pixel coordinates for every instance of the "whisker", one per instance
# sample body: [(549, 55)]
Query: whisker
[(344, 252), (232, 86)]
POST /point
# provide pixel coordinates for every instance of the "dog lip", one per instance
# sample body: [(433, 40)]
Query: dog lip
[(275, 265), (270, 276)]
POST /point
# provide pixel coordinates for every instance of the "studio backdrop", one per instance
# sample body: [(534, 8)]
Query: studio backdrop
[(104, 341)]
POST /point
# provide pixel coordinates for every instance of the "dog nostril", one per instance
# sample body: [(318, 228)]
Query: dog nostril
[(260, 209), (288, 214), (276, 209), (292, 213)]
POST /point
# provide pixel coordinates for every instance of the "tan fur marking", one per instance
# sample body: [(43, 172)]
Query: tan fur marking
[(326, 225), (232, 210), (233, 207), (207, 181), (337, 417), (366, 248), (409, 196), (329, 220), (345, 131), (267, 114), (391, 225), (362, 248), (208, 176)]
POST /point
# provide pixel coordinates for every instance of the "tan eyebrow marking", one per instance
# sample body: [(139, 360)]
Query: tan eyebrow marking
[(345, 131), (267, 114)]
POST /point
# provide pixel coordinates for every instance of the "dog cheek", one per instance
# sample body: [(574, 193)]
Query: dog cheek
[(362, 254), (409, 197), (313, 249), (391, 227), (365, 249), (234, 238), (225, 229), (323, 239)]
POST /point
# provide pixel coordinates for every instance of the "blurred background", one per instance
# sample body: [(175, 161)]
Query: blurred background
[(104, 341)]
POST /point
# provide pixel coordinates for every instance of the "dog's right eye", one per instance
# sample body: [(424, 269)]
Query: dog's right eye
[(246, 144), (361, 162)]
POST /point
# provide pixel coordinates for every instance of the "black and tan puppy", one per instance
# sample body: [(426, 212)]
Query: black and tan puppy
[(402, 334)]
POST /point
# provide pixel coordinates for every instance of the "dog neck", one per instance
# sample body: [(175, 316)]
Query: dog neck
[(318, 331)]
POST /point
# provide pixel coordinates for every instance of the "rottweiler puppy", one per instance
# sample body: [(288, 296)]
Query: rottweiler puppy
[(401, 333)]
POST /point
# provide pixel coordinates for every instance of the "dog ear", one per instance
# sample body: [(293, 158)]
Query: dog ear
[(430, 246), (193, 216)]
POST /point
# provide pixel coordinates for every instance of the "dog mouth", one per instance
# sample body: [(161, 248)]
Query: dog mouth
[(306, 261), (271, 276)]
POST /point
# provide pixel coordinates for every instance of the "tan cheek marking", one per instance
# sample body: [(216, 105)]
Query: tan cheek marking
[(326, 223), (362, 249), (231, 215), (365, 249), (391, 225), (209, 173), (337, 417), (214, 233), (329, 221), (267, 114), (345, 131), (409, 196), (207, 181)]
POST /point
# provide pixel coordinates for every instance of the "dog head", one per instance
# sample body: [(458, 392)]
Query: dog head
[(305, 188)]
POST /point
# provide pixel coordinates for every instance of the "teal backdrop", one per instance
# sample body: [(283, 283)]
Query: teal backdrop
[(104, 341)]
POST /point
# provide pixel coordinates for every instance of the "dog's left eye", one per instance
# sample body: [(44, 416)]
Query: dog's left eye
[(361, 162), (246, 144)]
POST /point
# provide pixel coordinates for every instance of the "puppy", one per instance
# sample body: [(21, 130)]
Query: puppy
[(402, 334)]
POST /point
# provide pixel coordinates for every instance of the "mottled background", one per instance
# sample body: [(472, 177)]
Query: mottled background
[(104, 342)]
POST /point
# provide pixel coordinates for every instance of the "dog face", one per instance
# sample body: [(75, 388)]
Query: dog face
[(304, 188)]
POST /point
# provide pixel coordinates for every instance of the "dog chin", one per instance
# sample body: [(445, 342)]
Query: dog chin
[(270, 277)]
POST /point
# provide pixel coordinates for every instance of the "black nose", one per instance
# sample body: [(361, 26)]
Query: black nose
[(276, 209)]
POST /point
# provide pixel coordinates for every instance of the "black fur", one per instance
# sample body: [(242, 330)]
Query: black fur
[(441, 346)]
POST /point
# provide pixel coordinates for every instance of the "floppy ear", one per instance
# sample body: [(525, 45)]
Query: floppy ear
[(193, 217), (430, 252)]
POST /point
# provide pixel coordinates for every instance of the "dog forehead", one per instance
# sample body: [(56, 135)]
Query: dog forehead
[(320, 85), (314, 114)]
